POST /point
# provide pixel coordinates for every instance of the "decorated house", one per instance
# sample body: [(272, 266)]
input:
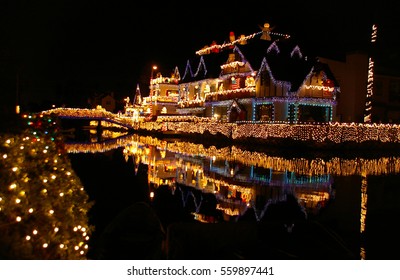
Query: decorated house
[(163, 97), (262, 77)]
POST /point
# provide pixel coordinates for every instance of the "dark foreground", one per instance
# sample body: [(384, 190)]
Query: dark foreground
[(139, 232)]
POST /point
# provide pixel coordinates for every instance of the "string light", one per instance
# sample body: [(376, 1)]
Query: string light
[(28, 224), (328, 133), (241, 39), (370, 80)]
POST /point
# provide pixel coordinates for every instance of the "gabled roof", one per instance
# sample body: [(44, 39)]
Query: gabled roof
[(201, 67), (286, 68), (187, 73), (319, 66), (213, 63), (239, 56), (281, 57)]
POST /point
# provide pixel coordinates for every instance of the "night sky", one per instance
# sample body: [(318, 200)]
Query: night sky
[(62, 52)]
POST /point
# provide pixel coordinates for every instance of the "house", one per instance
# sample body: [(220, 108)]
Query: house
[(268, 79), (262, 81), (163, 95), (106, 101), (250, 79)]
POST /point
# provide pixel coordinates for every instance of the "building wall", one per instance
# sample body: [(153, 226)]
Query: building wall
[(352, 77), (386, 96)]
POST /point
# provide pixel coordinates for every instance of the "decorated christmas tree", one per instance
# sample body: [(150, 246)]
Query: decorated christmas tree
[(43, 205)]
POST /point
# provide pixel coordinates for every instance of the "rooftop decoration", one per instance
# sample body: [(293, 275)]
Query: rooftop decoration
[(266, 33), (266, 30)]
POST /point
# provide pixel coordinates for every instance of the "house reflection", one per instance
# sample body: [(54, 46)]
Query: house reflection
[(236, 186)]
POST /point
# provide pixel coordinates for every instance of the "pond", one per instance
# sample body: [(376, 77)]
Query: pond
[(173, 198)]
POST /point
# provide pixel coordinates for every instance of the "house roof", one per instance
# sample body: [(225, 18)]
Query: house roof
[(319, 66), (281, 56), (201, 67)]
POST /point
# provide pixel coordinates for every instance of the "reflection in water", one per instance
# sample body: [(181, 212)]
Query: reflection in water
[(364, 185), (237, 178), (219, 185), (334, 165)]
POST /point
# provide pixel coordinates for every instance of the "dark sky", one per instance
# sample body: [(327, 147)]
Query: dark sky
[(64, 51)]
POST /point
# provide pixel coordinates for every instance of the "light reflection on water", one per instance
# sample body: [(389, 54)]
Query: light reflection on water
[(219, 185)]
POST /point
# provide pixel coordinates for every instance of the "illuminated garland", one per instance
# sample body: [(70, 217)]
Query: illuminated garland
[(217, 47), (192, 104), (296, 50), (226, 93), (273, 47), (188, 70), (201, 64), (232, 64), (240, 40), (325, 88), (297, 100)]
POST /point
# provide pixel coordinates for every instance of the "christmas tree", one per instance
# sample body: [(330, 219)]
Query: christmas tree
[(43, 204)]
